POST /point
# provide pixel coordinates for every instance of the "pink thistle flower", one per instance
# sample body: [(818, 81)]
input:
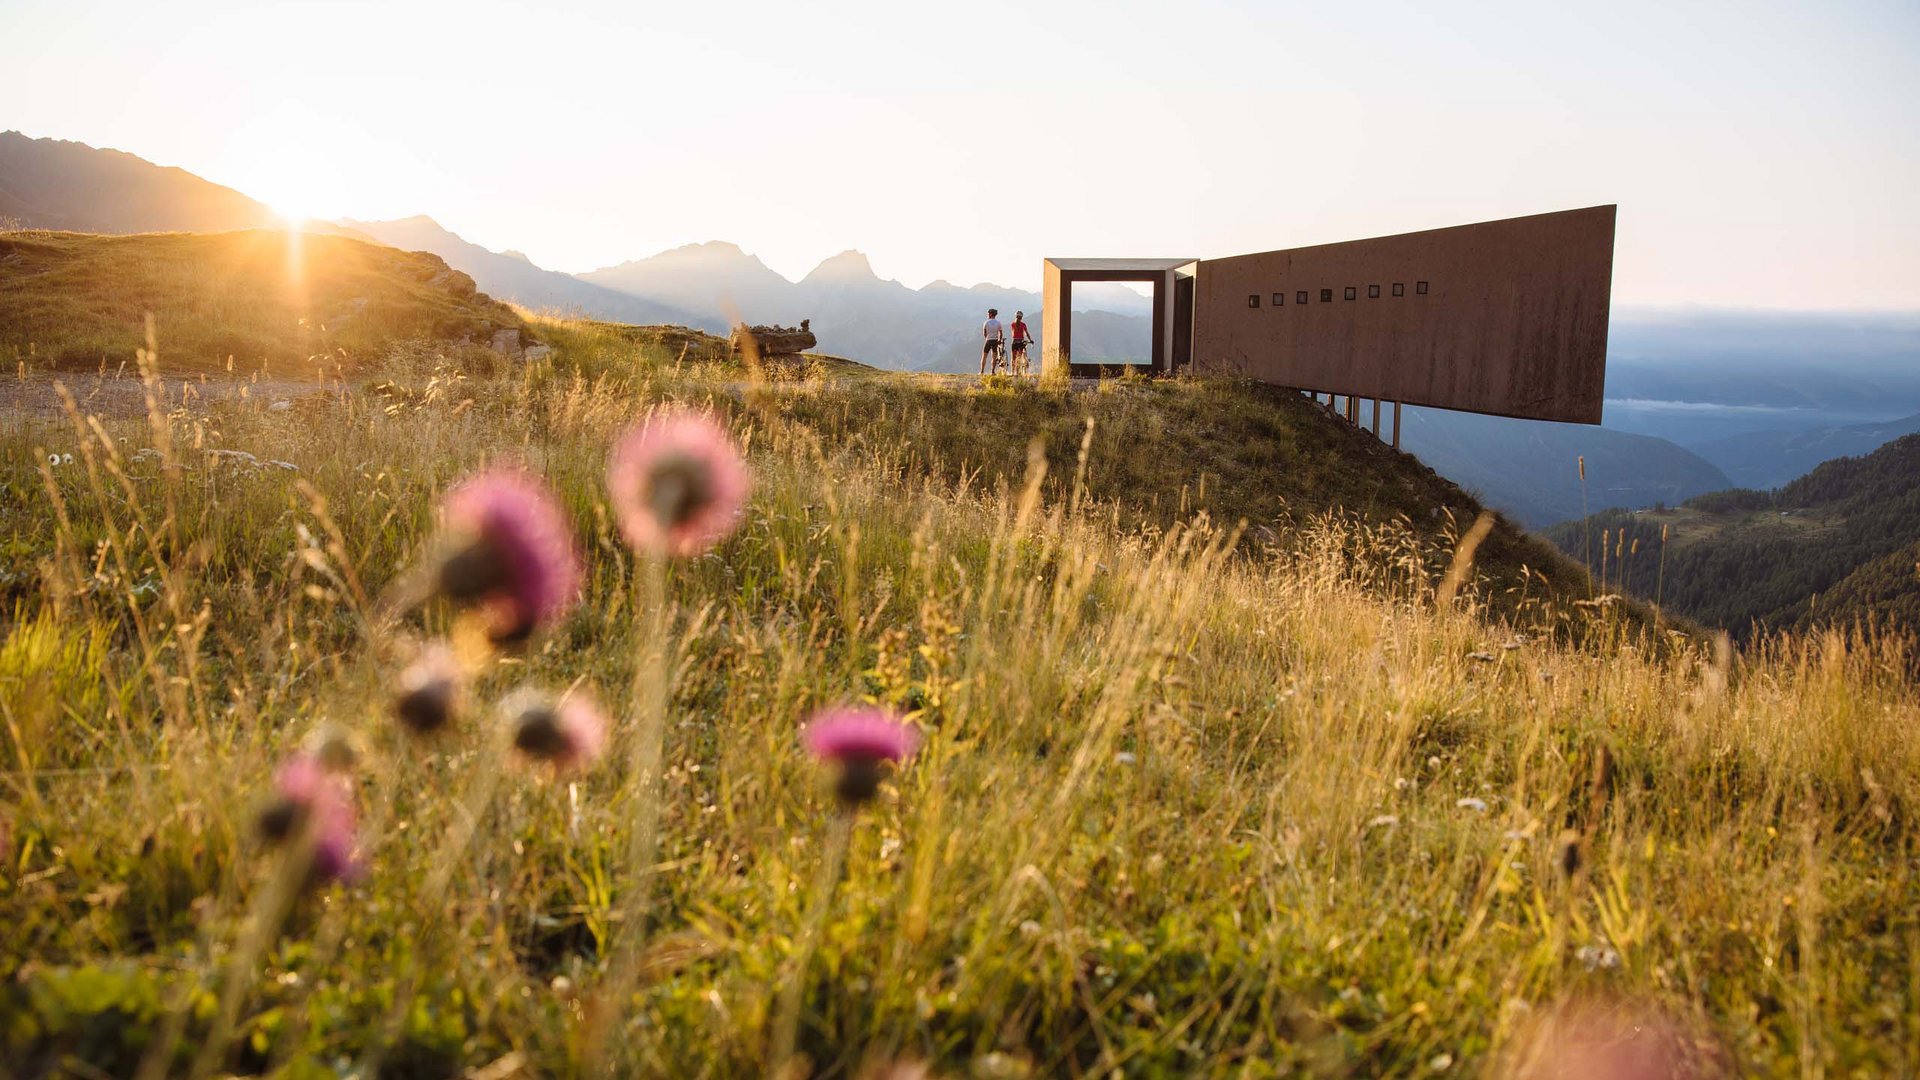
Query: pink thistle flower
[(314, 796), (336, 847), (429, 689), (568, 734), (678, 484), (859, 739), (513, 553)]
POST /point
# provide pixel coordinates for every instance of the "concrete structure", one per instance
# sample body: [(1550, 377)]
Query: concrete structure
[(1172, 320), (1504, 317)]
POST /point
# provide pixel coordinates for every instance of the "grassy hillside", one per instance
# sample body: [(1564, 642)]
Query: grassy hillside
[(1184, 806), (243, 301), (1159, 451), (1834, 547)]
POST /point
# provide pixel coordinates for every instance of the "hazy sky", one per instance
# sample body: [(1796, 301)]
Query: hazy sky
[(1763, 155)]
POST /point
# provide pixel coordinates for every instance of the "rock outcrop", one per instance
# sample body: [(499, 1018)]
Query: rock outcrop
[(774, 342)]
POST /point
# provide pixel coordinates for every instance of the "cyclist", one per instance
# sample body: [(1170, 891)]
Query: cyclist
[(1022, 337), (993, 339)]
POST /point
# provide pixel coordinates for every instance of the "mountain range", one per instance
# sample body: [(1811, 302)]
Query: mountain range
[(1696, 401)]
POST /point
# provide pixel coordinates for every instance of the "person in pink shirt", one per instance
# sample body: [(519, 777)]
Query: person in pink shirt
[(1022, 337)]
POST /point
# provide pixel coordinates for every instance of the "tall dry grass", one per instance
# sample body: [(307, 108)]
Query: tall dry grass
[(1195, 798)]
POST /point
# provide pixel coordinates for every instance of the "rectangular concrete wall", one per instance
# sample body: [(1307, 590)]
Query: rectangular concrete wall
[(1505, 317)]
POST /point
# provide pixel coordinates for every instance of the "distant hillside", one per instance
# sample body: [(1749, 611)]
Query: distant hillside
[(1835, 546), (79, 301), (1768, 459), (512, 276), (1531, 469)]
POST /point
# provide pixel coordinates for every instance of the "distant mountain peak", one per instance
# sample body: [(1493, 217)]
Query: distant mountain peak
[(848, 265), (710, 249), (520, 255)]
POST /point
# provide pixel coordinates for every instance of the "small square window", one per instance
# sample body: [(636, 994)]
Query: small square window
[(1279, 299), (1326, 296), (1399, 288), (1420, 287), (1254, 300), (1373, 292), (1351, 292), (1300, 297)]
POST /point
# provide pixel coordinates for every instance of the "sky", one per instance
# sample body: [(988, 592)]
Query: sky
[(1763, 155)]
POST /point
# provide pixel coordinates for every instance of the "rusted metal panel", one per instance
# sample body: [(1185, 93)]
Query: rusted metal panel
[(1504, 317)]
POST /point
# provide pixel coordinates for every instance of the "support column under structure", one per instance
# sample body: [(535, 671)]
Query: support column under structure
[(1376, 418), (1396, 425)]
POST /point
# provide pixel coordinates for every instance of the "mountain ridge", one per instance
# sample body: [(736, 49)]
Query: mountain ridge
[(513, 276)]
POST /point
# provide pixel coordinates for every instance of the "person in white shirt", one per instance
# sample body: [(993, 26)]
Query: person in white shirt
[(993, 339)]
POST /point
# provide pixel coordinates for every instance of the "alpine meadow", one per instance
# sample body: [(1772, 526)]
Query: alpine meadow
[(1261, 765)]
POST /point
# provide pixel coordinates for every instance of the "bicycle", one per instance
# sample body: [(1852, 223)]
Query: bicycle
[(997, 353), (1017, 364)]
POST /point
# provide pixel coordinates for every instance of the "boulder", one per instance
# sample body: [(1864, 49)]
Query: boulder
[(507, 341), (771, 341), (537, 352)]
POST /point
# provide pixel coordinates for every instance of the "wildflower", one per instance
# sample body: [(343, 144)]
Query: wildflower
[(314, 793), (678, 484), (429, 688), (567, 734), (859, 740), (512, 553), (1597, 957), (1471, 803)]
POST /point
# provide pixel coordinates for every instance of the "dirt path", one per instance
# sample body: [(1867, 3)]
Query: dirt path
[(34, 397)]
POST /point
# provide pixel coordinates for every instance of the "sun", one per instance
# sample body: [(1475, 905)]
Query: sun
[(297, 199)]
